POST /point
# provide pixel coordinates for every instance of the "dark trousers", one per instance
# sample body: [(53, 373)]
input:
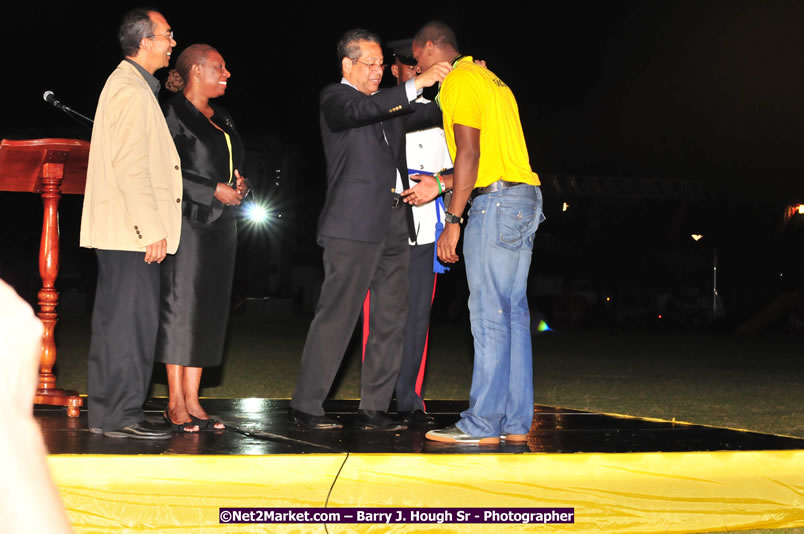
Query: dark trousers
[(121, 349), (350, 269), (421, 280)]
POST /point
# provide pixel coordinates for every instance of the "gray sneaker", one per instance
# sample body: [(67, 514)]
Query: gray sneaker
[(453, 434)]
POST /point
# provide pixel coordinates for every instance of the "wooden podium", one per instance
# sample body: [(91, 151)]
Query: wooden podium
[(51, 167)]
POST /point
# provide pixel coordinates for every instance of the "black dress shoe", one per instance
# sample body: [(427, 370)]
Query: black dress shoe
[(313, 422), (141, 430), (417, 419), (376, 420)]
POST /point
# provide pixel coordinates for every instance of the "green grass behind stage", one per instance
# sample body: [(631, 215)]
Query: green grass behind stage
[(754, 383)]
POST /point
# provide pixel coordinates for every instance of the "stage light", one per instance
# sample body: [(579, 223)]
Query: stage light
[(256, 213), (565, 207), (697, 237), (608, 299), (801, 209), (543, 327)]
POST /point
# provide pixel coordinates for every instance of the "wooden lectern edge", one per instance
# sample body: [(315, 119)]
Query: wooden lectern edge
[(38, 143), (51, 174)]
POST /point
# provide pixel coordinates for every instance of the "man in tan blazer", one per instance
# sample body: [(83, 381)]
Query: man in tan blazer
[(132, 217)]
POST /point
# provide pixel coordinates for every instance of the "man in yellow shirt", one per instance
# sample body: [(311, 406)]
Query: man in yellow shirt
[(485, 139)]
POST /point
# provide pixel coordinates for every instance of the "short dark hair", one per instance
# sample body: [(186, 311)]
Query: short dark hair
[(438, 32), (349, 43), (135, 25)]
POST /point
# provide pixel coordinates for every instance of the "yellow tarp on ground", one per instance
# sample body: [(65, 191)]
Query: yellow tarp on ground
[(638, 492)]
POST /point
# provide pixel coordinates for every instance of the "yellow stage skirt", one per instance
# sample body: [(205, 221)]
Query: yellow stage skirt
[(626, 493)]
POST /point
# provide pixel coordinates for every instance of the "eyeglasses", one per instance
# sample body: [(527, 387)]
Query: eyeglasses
[(375, 64), (169, 35)]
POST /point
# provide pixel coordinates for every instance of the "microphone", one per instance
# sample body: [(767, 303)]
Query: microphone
[(50, 98)]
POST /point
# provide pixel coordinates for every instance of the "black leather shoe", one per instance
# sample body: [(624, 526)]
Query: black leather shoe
[(141, 430), (376, 420), (313, 422), (417, 419)]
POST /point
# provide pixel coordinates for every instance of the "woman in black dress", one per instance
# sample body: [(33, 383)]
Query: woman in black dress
[(197, 280)]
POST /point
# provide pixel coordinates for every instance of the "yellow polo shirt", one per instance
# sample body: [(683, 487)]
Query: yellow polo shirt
[(474, 96)]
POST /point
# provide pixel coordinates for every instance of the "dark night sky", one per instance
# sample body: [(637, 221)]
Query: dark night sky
[(684, 89), (676, 88)]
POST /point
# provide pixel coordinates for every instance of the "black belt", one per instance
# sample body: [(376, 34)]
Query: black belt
[(397, 201), (499, 185)]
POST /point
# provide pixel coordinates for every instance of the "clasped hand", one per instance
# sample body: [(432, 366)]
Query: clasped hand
[(231, 196)]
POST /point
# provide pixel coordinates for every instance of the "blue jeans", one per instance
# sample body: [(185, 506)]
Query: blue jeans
[(497, 247)]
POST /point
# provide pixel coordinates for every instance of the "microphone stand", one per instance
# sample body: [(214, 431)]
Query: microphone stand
[(50, 98)]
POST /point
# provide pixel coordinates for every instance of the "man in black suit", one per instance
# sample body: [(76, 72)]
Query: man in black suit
[(364, 228)]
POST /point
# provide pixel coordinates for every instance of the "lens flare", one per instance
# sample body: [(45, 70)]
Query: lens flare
[(256, 213)]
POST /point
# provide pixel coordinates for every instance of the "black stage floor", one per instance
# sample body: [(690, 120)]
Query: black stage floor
[(260, 427)]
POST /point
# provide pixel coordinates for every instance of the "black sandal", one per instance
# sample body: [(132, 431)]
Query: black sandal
[(180, 427), (207, 425)]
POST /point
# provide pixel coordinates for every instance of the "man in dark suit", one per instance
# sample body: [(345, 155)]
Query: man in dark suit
[(364, 228)]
